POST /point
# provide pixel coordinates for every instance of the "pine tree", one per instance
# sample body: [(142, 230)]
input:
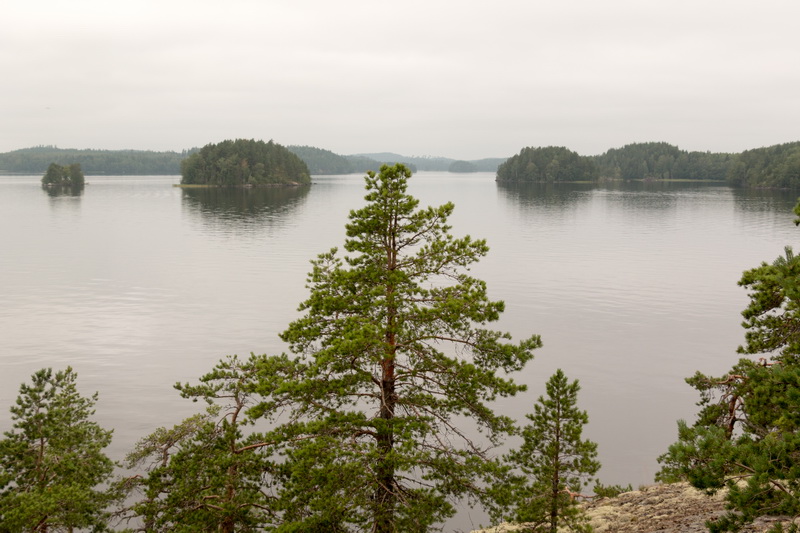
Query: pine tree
[(555, 462), (52, 465), (209, 473), (396, 364), (746, 438)]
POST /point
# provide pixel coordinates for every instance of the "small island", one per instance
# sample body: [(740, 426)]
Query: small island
[(547, 165), (244, 163), (63, 176)]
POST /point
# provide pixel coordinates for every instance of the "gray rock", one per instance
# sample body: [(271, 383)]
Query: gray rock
[(663, 508)]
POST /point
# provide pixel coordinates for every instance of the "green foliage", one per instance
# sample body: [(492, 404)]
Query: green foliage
[(775, 166), (363, 164), (208, 473), (462, 167), (747, 434), (429, 163), (547, 165), (609, 491), (52, 462), (554, 461), (244, 162), (137, 162), (660, 160), (321, 161), (746, 439), (375, 441), (365, 425), (772, 318), (63, 176)]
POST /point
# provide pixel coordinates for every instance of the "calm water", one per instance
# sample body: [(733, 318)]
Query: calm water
[(138, 284)]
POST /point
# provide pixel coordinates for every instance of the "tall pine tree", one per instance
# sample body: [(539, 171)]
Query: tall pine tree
[(399, 373)]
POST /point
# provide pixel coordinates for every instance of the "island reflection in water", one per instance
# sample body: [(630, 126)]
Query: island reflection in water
[(217, 206)]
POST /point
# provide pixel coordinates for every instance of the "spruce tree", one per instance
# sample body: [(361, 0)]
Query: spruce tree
[(555, 462)]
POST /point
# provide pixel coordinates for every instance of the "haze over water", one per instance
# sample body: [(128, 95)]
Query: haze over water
[(138, 284)]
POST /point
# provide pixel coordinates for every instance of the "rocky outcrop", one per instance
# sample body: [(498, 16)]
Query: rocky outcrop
[(671, 508)]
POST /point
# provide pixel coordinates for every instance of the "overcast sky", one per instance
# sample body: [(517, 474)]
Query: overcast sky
[(461, 79)]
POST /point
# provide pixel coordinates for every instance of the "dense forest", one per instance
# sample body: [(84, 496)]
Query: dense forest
[(36, 160), (659, 160), (771, 167), (244, 162), (656, 160), (548, 164), (775, 166), (320, 161)]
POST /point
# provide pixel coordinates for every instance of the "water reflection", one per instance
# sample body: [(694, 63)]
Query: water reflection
[(638, 195), (243, 207), (56, 191), (765, 200), (549, 196), (652, 196)]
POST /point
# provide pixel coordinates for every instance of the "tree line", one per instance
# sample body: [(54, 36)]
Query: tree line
[(36, 160), (659, 160), (319, 161), (775, 166), (438, 164), (322, 161), (771, 167)]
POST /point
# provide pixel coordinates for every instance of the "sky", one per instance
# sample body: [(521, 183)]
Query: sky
[(461, 79)]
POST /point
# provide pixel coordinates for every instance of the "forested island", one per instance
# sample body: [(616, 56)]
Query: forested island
[(775, 166), (244, 163), (64, 176), (770, 167), (547, 165), (638, 161)]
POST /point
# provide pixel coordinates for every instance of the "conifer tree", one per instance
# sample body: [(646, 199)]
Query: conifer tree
[(209, 472), (746, 438), (555, 462), (52, 464), (397, 362)]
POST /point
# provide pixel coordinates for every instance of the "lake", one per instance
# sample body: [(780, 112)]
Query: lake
[(138, 284)]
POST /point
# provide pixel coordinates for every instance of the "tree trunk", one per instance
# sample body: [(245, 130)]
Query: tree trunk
[(556, 472), (385, 497), (385, 493)]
